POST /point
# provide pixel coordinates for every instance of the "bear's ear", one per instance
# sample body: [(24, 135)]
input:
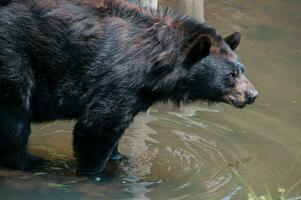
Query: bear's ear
[(233, 40), (199, 49)]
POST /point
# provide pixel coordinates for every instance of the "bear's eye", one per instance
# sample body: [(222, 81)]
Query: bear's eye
[(232, 75)]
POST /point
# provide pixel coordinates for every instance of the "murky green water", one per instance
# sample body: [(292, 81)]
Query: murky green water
[(190, 153)]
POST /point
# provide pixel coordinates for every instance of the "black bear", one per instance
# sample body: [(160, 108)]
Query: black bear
[(101, 65)]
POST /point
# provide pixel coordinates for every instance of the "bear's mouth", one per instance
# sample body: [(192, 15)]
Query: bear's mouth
[(234, 102)]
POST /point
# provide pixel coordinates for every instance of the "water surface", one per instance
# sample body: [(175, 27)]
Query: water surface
[(190, 153)]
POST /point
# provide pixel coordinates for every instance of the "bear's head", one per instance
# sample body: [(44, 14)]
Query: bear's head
[(214, 72)]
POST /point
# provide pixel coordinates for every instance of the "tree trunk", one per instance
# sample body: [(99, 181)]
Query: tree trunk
[(193, 8)]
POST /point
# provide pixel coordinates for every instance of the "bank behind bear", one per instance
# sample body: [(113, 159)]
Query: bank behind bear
[(101, 65)]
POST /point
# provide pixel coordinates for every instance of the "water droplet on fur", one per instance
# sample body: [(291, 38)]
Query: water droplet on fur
[(97, 179)]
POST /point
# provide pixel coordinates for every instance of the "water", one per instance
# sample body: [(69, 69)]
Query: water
[(190, 153)]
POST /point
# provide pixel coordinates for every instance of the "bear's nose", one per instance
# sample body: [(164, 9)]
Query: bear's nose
[(251, 97)]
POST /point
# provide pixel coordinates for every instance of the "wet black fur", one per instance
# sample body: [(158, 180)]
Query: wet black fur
[(100, 66)]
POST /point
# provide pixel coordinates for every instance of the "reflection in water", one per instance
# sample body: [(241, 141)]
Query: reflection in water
[(188, 153)]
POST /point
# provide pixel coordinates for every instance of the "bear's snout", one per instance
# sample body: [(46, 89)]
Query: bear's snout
[(251, 96), (242, 93)]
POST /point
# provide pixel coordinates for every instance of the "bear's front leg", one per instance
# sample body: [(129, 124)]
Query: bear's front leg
[(93, 145), (14, 133)]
